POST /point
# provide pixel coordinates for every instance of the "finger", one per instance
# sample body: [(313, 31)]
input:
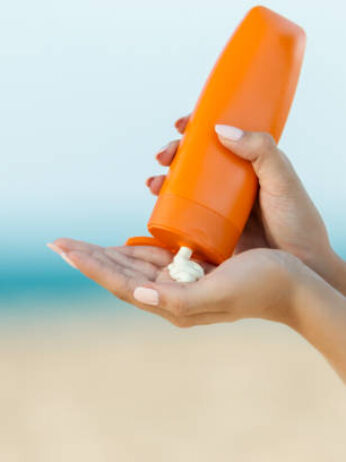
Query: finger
[(180, 299), (64, 244), (119, 280), (149, 180), (155, 183), (184, 321), (181, 123), (138, 266), (166, 155), (273, 169), (155, 255), (253, 235), (116, 279), (122, 283)]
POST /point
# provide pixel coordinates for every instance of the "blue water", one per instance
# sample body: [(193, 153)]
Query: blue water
[(33, 279)]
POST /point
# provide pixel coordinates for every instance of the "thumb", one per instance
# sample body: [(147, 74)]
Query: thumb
[(178, 299), (273, 169)]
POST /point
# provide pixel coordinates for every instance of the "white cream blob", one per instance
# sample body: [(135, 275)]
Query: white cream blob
[(182, 269)]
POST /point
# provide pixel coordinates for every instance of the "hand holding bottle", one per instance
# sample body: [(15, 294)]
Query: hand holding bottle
[(284, 217), (270, 277)]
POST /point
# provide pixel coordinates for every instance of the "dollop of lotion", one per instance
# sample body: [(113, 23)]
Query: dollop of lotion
[(182, 269)]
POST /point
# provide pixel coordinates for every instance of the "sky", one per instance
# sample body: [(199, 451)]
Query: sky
[(89, 91)]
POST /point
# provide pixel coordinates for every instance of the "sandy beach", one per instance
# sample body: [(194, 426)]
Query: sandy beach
[(117, 388)]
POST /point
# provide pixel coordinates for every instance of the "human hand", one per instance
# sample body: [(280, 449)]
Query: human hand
[(258, 283), (284, 217)]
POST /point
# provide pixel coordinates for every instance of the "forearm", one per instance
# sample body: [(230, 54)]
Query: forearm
[(320, 317)]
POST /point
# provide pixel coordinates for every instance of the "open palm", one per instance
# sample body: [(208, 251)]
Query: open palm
[(120, 269), (222, 294)]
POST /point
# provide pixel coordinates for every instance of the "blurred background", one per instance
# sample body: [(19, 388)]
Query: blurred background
[(89, 91)]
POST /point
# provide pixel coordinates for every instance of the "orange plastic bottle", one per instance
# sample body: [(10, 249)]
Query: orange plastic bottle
[(209, 192)]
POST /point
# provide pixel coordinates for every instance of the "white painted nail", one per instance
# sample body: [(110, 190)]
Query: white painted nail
[(62, 254), (229, 132), (54, 248), (70, 262), (146, 295)]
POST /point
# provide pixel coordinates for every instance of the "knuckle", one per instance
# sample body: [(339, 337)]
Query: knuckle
[(264, 142)]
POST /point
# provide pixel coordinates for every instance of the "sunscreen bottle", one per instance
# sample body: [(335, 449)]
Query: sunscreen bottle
[(208, 193)]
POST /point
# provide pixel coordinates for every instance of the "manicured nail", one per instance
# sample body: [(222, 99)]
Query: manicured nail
[(229, 132), (62, 254), (55, 248), (70, 262), (146, 295)]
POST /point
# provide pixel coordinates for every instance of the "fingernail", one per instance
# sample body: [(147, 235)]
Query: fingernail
[(229, 132), (146, 295), (70, 262), (55, 248), (62, 254)]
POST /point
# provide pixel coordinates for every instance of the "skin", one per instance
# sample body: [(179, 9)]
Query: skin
[(283, 269)]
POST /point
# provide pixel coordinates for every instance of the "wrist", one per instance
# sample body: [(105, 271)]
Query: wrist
[(301, 285), (297, 278), (312, 294), (325, 262), (335, 271), (287, 277)]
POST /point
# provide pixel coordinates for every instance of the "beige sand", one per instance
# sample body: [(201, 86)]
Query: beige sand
[(112, 388)]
